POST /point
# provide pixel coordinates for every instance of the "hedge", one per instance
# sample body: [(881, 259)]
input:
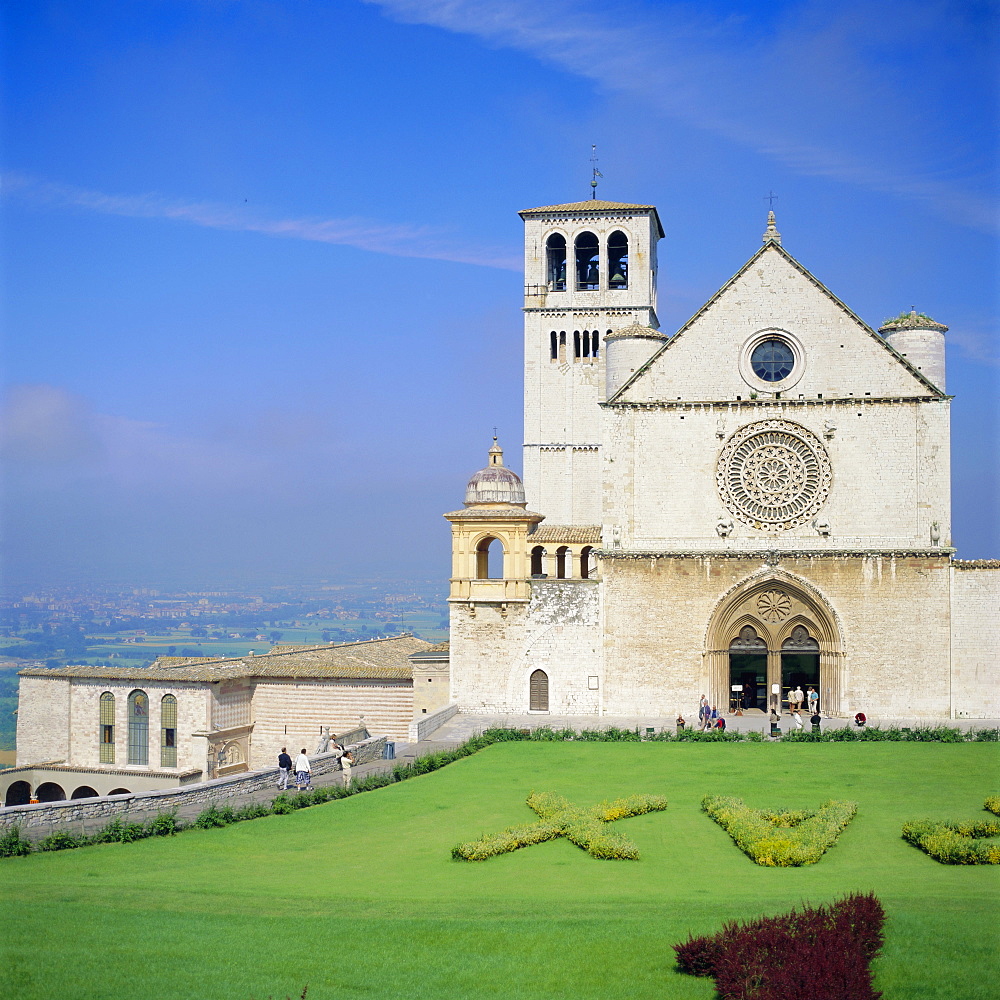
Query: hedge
[(585, 826), (822, 953), (780, 839)]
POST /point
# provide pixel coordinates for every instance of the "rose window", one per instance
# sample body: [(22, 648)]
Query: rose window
[(774, 605), (773, 475)]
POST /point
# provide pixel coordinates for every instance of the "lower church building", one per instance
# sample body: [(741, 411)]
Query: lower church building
[(756, 502)]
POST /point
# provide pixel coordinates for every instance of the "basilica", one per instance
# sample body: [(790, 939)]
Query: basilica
[(757, 501)]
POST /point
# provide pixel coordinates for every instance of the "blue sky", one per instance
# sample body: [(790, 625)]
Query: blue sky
[(261, 286)]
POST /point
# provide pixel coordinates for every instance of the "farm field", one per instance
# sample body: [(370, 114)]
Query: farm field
[(360, 897)]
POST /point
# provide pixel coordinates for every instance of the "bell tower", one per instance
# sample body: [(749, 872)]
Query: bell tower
[(589, 270)]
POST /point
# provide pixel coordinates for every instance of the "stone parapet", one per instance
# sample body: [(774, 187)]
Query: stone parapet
[(38, 820)]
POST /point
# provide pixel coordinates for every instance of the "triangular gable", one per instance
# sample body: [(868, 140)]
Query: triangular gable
[(773, 247)]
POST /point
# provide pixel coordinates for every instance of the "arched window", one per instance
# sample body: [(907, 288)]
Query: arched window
[(138, 728), (538, 561), (84, 792), (564, 562), (555, 255), (168, 731), (588, 262), (586, 343), (594, 343), (107, 725), (538, 691), (562, 345), (489, 559), (553, 345), (587, 563), (576, 344), (618, 260)]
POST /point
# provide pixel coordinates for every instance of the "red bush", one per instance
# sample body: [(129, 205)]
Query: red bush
[(819, 952)]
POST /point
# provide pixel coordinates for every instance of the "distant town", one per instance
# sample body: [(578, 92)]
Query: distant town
[(132, 626)]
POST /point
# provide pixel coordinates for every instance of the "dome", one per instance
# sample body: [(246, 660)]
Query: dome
[(495, 483)]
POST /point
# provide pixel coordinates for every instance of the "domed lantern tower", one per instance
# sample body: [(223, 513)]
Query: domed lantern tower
[(489, 538)]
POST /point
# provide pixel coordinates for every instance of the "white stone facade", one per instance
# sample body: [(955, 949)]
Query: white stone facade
[(770, 487)]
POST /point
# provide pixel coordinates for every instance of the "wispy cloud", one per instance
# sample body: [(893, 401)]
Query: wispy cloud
[(817, 91), (396, 240)]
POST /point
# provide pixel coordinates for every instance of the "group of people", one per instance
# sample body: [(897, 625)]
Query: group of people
[(303, 769), (799, 699), (708, 716)]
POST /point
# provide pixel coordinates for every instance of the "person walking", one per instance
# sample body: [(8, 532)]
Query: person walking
[(303, 772), (800, 697), (284, 769), (797, 719), (345, 765)]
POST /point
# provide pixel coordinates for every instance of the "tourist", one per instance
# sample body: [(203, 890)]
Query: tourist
[(345, 765), (813, 697), (775, 720), (680, 723), (284, 769), (816, 720), (720, 724), (303, 772), (800, 697), (797, 719)]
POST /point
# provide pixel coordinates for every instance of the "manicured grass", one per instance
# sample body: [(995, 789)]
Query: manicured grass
[(361, 898)]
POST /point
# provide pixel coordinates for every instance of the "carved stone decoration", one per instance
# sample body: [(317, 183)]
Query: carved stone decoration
[(773, 605), (748, 639), (324, 740), (935, 533), (231, 753), (774, 475), (723, 527), (822, 526), (800, 639)]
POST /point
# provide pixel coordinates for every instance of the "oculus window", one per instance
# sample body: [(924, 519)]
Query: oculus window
[(772, 360)]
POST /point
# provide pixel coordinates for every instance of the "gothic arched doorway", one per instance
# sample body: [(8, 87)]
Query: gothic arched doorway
[(768, 637)]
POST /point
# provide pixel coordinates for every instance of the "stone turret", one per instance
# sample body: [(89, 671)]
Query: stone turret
[(627, 350), (921, 341)]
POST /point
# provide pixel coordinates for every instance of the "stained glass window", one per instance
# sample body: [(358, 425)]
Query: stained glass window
[(107, 724), (168, 731), (138, 728)]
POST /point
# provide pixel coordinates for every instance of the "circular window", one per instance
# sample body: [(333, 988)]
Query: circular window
[(774, 475), (772, 360)]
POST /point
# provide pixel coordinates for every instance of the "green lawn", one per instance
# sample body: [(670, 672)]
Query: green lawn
[(359, 898)]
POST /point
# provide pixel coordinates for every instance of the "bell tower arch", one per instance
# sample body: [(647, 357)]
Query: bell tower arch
[(774, 632), (589, 271)]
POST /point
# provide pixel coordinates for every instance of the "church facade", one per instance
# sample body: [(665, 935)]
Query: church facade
[(759, 501)]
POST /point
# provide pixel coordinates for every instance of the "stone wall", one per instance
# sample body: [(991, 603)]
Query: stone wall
[(291, 712), (892, 616), (37, 821), (43, 719), (975, 642), (493, 653)]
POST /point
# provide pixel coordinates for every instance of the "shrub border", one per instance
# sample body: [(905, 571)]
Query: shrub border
[(957, 843)]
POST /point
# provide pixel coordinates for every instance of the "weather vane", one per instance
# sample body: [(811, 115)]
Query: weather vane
[(595, 172)]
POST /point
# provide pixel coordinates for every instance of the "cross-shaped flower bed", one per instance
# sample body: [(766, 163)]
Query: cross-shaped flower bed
[(585, 826), (780, 839)]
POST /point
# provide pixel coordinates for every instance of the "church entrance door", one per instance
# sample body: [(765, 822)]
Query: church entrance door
[(768, 636), (748, 672), (799, 662)]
